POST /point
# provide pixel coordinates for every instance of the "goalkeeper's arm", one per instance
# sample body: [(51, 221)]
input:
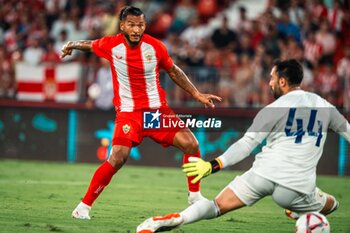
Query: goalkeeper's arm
[(234, 154)]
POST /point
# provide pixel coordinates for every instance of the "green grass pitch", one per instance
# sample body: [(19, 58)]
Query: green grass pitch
[(39, 197)]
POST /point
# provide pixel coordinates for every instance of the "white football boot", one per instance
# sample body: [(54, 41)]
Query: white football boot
[(193, 197), (160, 223), (82, 211)]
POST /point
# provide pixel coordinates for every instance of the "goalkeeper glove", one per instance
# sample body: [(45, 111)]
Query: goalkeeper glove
[(200, 168)]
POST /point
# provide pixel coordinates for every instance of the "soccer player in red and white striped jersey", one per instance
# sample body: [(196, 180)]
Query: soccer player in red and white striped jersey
[(135, 60)]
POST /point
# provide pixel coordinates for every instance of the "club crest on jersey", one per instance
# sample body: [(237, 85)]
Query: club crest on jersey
[(126, 128), (149, 56)]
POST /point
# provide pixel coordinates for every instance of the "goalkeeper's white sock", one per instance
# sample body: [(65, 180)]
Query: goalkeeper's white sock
[(203, 209), (193, 197)]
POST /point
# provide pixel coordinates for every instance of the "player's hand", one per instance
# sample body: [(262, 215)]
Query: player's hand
[(207, 99), (67, 49), (197, 167)]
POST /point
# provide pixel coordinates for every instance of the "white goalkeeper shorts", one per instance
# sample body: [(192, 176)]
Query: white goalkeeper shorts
[(251, 187)]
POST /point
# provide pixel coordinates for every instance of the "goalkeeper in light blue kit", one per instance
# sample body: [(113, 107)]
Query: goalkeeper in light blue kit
[(295, 128)]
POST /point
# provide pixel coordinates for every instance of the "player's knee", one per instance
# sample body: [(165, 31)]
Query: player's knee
[(118, 157), (223, 206), (191, 146)]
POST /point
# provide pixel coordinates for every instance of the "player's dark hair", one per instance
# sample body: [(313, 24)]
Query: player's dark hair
[(291, 70), (129, 10)]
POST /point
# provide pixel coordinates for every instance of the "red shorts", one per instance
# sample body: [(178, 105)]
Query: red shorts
[(131, 127)]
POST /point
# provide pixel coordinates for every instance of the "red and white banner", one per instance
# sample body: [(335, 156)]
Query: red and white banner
[(40, 83)]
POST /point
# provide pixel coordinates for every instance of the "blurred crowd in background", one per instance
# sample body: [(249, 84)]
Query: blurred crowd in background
[(220, 46)]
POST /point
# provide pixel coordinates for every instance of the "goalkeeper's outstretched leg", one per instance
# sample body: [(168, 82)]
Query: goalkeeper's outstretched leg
[(203, 209)]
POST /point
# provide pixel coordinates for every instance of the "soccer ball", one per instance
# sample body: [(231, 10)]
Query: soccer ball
[(312, 222)]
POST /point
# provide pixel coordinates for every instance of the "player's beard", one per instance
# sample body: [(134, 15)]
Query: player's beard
[(276, 91), (130, 42)]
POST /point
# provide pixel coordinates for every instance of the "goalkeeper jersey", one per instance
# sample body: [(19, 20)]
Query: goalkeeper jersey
[(295, 128)]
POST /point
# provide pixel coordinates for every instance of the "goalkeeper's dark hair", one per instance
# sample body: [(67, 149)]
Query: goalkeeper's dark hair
[(291, 70), (129, 10)]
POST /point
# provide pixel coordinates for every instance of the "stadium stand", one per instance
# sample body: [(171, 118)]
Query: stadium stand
[(225, 46)]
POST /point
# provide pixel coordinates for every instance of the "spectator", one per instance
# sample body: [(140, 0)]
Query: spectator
[(195, 33), (286, 28), (327, 40), (273, 8), (33, 54), (91, 19), (271, 42), (225, 89), (213, 57), (11, 38), (345, 27), (243, 84), (194, 56), (257, 34), (7, 80), (60, 41), (109, 21), (64, 23), (78, 32), (318, 10), (308, 83), (343, 71), (312, 49), (245, 45), (38, 28), (51, 57), (184, 11), (335, 16), (52, 9), (296, 13), (101, 92), (89, 71), (308, 26), (328, 83), (224, 37), (243, 24), (292, 50)]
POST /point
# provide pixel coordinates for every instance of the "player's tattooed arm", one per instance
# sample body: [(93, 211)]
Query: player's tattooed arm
[(181, 79), (83, 45)]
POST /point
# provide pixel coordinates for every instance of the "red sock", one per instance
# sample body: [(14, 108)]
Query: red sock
[(192, 187), (99, 181)]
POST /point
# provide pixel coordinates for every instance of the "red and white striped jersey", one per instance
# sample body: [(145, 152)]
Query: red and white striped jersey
[(135, 71)]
